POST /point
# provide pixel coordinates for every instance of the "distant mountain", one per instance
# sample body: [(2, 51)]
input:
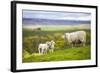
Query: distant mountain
[(52, 22)]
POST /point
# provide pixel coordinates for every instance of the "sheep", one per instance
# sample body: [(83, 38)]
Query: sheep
[(75, 37), (51, 45), (44, 47)]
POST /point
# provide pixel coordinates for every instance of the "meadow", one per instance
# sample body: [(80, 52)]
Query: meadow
[(63, 51)]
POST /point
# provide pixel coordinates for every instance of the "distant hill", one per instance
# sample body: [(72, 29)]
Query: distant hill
[(27, 21)]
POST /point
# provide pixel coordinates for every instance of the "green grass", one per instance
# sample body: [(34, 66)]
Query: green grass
[(62, 52), (75, 53), (27, 33)]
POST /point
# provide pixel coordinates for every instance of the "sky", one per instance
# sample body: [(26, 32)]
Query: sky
[(54, 15)]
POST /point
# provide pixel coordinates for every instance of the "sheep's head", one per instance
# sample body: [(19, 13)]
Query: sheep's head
[(65, 36), (53, 42)]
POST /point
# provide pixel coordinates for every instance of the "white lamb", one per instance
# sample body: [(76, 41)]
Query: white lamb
[(51, 45), (44, 47)]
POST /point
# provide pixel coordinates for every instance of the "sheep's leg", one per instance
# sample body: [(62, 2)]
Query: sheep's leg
[(72, 45), (84, 41), (84, 44), (49, 50), (75, 44), (46, 51), (52, 50), (42, 51)]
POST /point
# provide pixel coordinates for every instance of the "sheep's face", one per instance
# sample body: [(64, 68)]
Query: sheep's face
[(52, 42), (65, 36)]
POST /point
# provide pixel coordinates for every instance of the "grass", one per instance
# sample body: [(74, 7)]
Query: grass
[(75, 53), (27, 33), (31, 39)]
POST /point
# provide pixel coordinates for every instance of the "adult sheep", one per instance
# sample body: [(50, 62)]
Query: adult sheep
[(75, 37)]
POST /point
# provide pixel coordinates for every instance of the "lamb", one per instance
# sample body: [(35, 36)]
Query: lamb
[(75, 37), (51, 45), (44, 47)]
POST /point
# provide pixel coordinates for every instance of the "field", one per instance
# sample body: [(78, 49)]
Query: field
[(79, 53), (63, 51)]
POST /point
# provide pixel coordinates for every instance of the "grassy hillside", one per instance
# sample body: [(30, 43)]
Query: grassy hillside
[(75, 53), (32, 38)]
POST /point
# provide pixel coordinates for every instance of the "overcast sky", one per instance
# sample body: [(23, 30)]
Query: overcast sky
[(53, 15)]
